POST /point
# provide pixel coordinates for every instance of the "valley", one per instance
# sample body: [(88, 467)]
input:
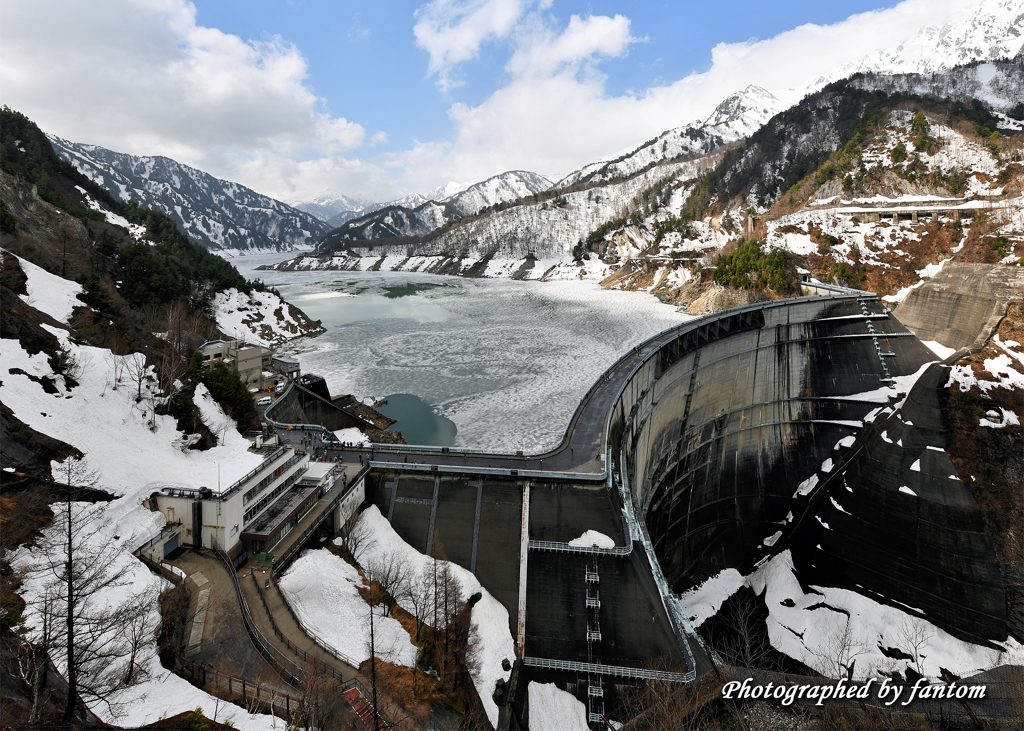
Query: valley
[(740, 402)]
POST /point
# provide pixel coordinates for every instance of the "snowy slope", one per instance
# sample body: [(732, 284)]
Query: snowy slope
[(223, 216), (977, 31), (133, 455), (48, 293), (796, 626), (997, 83), (323, 590)]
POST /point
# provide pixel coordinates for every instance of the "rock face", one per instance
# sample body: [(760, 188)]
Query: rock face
[(41, 224), (745, 437), (961, 306)]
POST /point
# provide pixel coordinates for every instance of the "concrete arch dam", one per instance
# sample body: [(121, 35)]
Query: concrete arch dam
[(786, 425), (783, 425)]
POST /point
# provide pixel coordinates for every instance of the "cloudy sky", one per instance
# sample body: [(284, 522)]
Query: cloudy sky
[(380, 99)]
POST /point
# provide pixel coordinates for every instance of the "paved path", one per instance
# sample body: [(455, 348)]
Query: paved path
[(224, 645), (308, 650)]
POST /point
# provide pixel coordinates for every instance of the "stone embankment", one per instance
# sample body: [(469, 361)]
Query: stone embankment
[(962, 306)]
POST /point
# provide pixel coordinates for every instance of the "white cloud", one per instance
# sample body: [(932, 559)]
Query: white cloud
[(451, 32), (546, 52), (555, 114), (142, 77)]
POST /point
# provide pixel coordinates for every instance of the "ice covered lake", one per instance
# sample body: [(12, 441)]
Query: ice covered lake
[(506, 361)]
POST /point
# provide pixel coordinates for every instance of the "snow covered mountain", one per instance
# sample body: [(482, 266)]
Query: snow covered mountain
[(656, 199), (225, 217), (498, 189), (986, 31), (571, 209), (416, 215), (334, 208), (738, 116)]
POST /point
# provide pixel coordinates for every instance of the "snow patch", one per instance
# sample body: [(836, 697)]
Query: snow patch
[(322, 588), (553, 709), (490, 623), (705, 600), (593, 538), (48, 293)]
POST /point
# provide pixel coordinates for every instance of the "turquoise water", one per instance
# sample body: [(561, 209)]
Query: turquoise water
[(418, 422), (341, 308)]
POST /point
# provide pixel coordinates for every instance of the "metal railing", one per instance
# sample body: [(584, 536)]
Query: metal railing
[(620, 671), (164, 533), (295, 648), (592, 550), (321, 643), (255, 696), (280, 489), (288, 670), (237, 485), (497, 471), (290, 552)]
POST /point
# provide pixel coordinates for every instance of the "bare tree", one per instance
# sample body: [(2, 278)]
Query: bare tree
[(29, 657), (116, 363), (357, 539), (915, 635), (70, 364), (739, 632), (170, 369), (390, 573), (321, 703), (418, 593), (834, 658), (138, 626), (448, 603), (138, 371), (661, 704), (99, 636)]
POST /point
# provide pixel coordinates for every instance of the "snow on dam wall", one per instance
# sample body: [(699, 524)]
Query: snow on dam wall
[(745, 435)]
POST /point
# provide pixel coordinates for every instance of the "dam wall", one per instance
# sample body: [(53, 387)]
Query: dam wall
[(725, 432), (300, 405)]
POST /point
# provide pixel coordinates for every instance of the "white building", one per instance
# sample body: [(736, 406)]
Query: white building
[(247, 360), (253, 515)]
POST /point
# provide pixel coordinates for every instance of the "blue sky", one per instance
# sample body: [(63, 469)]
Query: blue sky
[(378, 100), (363, 58)]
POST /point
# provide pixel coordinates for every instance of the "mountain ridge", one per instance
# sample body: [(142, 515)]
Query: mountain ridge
[(223, 216)]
